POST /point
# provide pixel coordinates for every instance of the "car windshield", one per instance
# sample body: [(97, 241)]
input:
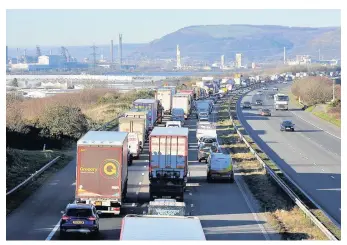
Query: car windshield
[(266, 110), (287, 123), (79, 212), (247, 103), (209, 140)]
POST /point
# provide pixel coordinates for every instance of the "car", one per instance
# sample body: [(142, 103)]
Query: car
[(205, 150), (259, 93), (79, 217), (259, 102), (265, 112), (247, 105), (265, 88), (284, 82), (287, 126), (275, 89), (207, 140)]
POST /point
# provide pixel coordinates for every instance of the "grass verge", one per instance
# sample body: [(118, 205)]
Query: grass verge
[(328, 118), (281, 211), (24, 164)]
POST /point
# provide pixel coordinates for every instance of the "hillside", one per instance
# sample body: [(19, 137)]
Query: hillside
[(254, 42)]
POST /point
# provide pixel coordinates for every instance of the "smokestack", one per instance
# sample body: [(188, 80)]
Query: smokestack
[(111, 51), (178, 57), (222, 61), (120, 51)]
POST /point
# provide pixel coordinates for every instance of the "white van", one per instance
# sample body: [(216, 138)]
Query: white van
[(220, 166)]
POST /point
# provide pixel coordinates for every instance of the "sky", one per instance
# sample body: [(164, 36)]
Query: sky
[(27, 28)]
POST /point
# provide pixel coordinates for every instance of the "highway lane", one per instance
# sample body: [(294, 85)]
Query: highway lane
[(311, 157), (222, 208)]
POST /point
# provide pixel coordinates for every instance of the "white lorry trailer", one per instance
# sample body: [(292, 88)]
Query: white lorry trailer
[(168, 162), (182, 101), (164, 95), (281, 102), (164, 228)]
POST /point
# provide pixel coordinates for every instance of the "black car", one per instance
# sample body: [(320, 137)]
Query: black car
[(247, 105), (79, 217), (259, 102), (287, 126)]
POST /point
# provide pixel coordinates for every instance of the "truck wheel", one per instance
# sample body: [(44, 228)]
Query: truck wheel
[(181, 198), (151, 198), (208, 179), (199, 160)]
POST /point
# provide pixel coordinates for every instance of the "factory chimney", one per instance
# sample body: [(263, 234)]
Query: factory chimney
[(178, 57), (111, 52), (120, 51)]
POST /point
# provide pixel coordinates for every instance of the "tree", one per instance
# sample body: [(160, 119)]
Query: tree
[(65, 121)]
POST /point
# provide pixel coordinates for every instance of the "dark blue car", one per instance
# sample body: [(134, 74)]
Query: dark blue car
[(81, 218)]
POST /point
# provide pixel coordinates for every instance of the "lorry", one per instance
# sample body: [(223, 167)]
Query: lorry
[(145, 115), (281, 102), (220, 166), (177, 114), (153, 106), (102, 170), (182, 101), (137, 133), (169, 207), (159, 227), (164, 95), (203, 105), (204, 129), (168, 162)]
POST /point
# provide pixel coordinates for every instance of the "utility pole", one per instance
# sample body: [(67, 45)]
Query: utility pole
[(94, 56), (333, 90), (284, 55)]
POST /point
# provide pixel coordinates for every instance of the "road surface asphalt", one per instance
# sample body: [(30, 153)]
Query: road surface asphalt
[(310, 156)]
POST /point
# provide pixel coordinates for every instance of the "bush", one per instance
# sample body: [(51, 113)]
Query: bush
[(64, 121)]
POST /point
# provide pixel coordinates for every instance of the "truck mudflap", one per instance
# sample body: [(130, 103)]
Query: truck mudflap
[(163, 190)]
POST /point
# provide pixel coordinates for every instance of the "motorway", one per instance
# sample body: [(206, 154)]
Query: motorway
[(310, 156), (223, 208)]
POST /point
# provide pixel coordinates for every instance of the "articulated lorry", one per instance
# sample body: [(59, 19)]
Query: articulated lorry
[(137, 133), (168, 162), (182, 101), (102, 170), (145, 115), (164, 95), (158, 227), (154, 107)]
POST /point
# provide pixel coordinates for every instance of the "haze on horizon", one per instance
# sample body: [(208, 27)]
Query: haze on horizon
[(26, 28)]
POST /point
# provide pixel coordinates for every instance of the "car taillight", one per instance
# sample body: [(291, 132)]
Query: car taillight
[(65, 217), (91, 218)]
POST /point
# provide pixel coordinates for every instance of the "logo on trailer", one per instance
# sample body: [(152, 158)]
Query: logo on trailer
[(109, 169)]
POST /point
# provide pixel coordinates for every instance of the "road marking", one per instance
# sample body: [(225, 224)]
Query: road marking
[(315, 163), (144, 166), (190, 194), (53, 231), (332, 177), (323, 170), (192, 205), (143, 174), (316, 126), (140, 183)]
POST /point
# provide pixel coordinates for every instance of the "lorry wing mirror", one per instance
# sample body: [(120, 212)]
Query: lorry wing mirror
[(62, 212)]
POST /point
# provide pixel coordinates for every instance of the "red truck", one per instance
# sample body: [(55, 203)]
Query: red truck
[(102, 170), (168, 162)]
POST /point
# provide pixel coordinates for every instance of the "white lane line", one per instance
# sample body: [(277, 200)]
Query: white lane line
[(323, 170), (190, 194), (315, 125), (53, 231), (192, 205), (140, 183), (315, 163), (143, 174), (332, 177)]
